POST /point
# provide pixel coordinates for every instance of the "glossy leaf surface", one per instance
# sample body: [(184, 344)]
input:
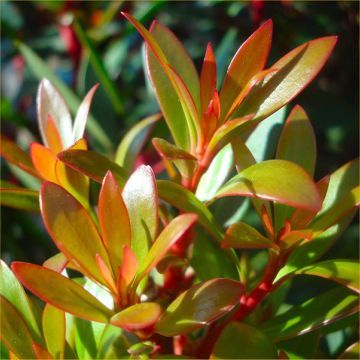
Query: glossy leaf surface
[(200, 305), (243, 341), (277, 180), (140, 197), (23, 199), (137, 317), (44, 162), (72, 298)]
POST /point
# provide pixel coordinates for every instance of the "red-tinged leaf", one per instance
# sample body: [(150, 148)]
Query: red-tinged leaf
[(72, 230), (53, 136), (111, 207), (44, 161), (295, 236), (199, 306), (40, 352), (137, 317), (141, 199), (17, 156), (72, 298), (294, 72), (14, 332), (345, 272), (134, 140), (130, 265), (93, 165), (243, 236), (168, 237), (50, 102), (54, 328), (209, 122), (19, 198), (106, 273), (82, 114), (57, 262), (276, 180), (248, 61)]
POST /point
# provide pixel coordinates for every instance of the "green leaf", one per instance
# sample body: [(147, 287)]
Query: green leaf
[(19, 198), (141, 199), (242, 341), (168, 237), (14, 293), (352, 352), (185, 200), (72, 298), (137, 317), (54, 327), (247, 62), (277, 180), (312, 314), (41, 70), (72, 230), (294, 72), (199, 306), (93, 165), (133, 141), (14, 332), (345, 272), (243, 236)]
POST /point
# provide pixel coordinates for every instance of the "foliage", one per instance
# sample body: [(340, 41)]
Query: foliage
[(145, 267)]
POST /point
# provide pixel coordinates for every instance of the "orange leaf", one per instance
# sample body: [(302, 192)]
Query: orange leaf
[(44, 162), (53, 136)]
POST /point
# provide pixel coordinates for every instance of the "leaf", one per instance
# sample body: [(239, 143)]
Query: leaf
[(311, 315), (54, 327), (243, 341), (50, 102), (345, 272), (72, 298), (13, 292), (168, 237), (243, 236), (71, 228), (57, 262), (277, 180), (82, 114), (17, 156), (249, 60), (44, 161), (199, 306), (137, 317), (352, 352), (40, 352), (14, 332), (185, 200), (134, 140), (92, 164), (295, 71), (19, 198), (114, 220)]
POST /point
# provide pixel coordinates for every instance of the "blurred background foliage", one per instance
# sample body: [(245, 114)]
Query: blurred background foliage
[(78, 43)]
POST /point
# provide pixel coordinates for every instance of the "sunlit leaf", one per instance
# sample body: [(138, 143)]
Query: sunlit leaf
[(44, 161), (277, 180), (19, 198), (40, 352), (57, 262), (352, 352), (72, 298), (200, 305), (137, 317), (243, 341)]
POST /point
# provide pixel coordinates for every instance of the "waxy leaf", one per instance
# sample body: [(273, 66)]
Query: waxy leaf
[(114, 220), (248, 61), (61, 292), (19, 198), (17, 156), (277, 180), (92, 164), (44, 162), (243, 341), (168, 237), (243, 236), (137, 317), (54, 327), (40, 352), (71, 228), (140, 197), (14, 332), (295, 71), (53, 136), (312, 314), (345, 272), (199, 306), (133, 141), (56, 262), (352, 352), (185, 200)]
